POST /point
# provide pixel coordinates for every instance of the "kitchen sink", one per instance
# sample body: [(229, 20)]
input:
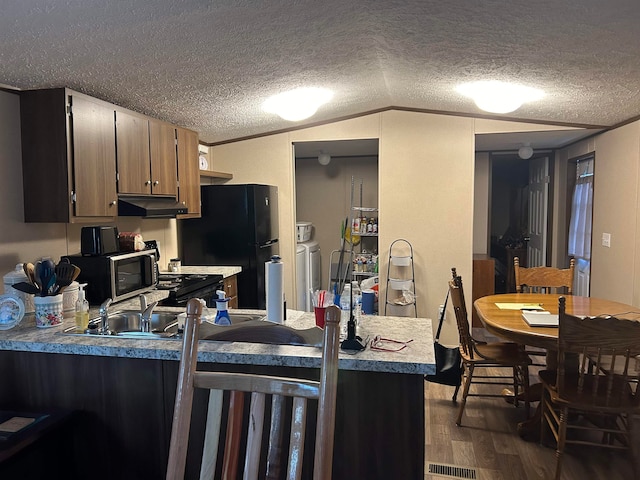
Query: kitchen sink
[(245, 327), (127, 323)]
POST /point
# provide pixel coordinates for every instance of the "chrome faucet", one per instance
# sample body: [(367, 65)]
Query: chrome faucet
[(143, 303), (145, 318), (104, 317)]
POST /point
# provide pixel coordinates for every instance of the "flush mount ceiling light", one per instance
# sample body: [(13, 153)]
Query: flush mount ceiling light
[(525, 151), (297, 104), (499, 97), (323, 158)]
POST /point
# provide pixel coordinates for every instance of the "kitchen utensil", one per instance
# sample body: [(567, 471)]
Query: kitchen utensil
[(29, 270), (65, 274), (26, 287), (45, 269)]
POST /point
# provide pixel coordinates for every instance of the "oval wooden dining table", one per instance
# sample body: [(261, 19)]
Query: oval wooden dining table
[(510, 325)]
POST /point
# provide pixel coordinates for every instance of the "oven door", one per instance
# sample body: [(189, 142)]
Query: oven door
[(207, 293)]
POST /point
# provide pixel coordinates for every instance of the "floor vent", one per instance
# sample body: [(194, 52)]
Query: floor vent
[(451, 471)]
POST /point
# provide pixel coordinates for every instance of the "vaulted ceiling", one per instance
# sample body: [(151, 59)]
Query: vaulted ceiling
[(209, 65)]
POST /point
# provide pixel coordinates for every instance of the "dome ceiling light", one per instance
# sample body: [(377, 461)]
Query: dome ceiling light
[(499, 97), (324, 158), (525, 152), (297, 104)]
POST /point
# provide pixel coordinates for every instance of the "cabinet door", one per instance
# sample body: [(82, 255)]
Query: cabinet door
[(132, 140), (188, 172), (164, 170), (94, 158), (231, 290)]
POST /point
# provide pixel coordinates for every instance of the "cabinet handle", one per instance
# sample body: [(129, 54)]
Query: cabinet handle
[(147, 183), (156, 183), (113, 203)]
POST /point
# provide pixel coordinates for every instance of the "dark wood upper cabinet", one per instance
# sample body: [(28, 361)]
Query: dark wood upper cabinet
[(164, 167), (132, 151), (188, 172), (68, 157), (72, 144)]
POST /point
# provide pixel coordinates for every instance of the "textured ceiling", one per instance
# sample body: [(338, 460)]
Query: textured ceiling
[(208, 65)]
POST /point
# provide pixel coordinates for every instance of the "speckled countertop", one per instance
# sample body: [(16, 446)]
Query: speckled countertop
[(416, 358), (205, 270)]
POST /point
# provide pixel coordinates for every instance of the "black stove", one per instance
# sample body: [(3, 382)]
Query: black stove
[(182, 287)]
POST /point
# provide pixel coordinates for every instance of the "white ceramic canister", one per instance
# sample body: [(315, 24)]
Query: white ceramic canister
[(70, 297), (14, 277)]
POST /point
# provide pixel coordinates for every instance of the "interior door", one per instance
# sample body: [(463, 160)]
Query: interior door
[(538, 211)]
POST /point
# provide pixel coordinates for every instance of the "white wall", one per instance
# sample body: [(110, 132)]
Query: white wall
[(425, 191), (615, 271)]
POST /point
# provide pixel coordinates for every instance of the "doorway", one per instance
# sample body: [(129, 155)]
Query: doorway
[(508, 216), (323, 172)]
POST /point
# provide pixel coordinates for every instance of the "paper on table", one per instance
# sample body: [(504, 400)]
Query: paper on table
[(540, 319), (519, 306), (15, 424)]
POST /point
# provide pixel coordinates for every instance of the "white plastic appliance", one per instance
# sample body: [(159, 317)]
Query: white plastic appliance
[(307, 273)]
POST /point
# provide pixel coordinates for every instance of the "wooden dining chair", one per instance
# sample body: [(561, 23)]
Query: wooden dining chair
[(544, 279), (261, 387), (606, 397), (477, 354)]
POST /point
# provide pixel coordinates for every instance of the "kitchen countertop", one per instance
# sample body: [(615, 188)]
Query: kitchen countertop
[(417, 358), (205, 270)]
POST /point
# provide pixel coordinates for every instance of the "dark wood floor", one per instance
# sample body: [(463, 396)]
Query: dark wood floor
[(488, 442)]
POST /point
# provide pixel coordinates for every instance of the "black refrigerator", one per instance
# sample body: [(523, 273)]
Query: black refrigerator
[(238, 226)]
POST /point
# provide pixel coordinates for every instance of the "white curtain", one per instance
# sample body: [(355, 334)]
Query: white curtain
[(580, 226)]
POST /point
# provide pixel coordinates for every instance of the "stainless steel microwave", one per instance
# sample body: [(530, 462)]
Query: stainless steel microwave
[(117, 276)]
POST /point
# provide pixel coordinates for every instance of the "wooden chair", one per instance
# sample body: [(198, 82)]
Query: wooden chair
[(487, 355), (261, 386), (544, 279), (606, 397)]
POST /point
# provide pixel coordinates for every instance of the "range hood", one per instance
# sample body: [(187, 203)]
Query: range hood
[(150, 206)]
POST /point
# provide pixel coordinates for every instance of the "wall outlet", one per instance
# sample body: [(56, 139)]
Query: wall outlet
[(606, 240)]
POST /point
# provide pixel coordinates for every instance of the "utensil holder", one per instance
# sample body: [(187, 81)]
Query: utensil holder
[(49, 311)]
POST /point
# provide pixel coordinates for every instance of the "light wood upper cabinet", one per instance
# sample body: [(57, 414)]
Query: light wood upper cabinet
[(164, 168), (188, 172), (68, 157)]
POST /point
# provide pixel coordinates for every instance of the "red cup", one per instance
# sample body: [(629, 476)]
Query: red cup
[(319, 311)]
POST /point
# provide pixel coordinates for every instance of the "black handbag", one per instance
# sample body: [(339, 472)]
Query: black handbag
[(448, 360)]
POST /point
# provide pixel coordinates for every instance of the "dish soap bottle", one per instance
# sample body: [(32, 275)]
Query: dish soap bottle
[(222, 315), (82, 310)]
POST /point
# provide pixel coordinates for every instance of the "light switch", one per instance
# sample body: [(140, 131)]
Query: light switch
[(606, 240)]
